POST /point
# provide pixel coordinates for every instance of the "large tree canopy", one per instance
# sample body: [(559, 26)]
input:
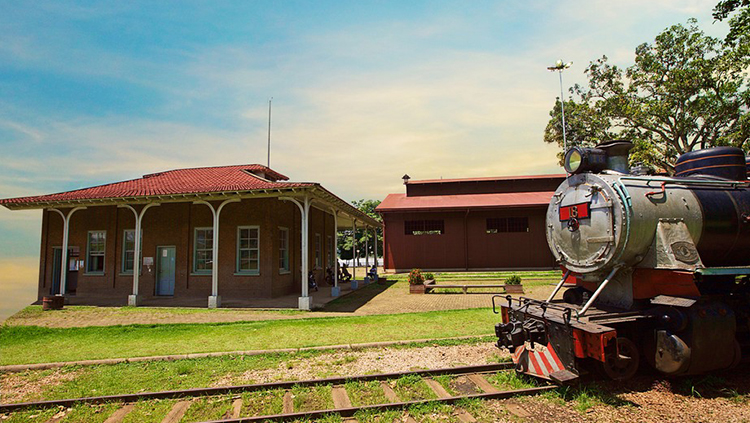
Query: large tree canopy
[(685, 91), (739, 23)]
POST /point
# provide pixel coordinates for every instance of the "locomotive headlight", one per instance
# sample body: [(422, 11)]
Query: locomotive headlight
[(580, 159), (573, 159)]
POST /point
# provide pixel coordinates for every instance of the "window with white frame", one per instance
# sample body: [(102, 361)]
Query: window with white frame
[(95, 251), (248, 249), (203, 250), (128, 250), (331, 252), (318, 251), (283, 250)]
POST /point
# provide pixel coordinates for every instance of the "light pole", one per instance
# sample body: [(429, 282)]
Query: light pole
[(560, 66)]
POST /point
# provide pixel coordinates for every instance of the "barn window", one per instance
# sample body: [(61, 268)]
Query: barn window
[(248, 249), (96, 251), (203, 250), (507, 224), (424, 227)]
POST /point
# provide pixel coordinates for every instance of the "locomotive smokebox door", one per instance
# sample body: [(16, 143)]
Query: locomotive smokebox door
[(580, 225)]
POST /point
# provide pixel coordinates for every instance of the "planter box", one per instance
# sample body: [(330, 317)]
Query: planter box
[(416, 289), (421, 289), (53, 303), (514, 289)]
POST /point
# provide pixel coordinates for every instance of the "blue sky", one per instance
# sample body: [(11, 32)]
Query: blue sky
[(96, 92)]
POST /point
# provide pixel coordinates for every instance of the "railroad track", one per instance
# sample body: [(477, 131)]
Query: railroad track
[(475, 386)]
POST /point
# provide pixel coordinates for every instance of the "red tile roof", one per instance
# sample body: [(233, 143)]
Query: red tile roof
[(400, 202), (172, 182)]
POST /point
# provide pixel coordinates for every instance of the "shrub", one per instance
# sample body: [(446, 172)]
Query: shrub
[(513, 280), (428, 276), (416, 277)]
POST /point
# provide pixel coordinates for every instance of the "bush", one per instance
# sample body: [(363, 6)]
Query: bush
[(416, 277), (513, 280), (428, 276)]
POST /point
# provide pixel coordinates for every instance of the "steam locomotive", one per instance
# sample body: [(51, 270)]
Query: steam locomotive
[(656, 269)]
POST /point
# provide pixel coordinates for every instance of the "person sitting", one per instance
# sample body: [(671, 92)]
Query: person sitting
[(311, 281), (329, 276), (344, 275), (373, 273)]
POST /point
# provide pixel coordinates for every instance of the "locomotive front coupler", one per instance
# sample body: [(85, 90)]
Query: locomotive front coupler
[(513, 332)]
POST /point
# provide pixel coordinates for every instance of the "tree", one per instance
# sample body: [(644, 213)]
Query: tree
[(685, 91), (739, 23), (363, 237)]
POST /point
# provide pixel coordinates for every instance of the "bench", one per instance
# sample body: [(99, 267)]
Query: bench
[(465, 288)]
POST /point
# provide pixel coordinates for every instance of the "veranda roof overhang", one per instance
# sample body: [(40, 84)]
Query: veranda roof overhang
[(322, 199)]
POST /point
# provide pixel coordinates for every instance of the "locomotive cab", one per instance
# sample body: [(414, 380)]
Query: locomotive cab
[(654, 267)]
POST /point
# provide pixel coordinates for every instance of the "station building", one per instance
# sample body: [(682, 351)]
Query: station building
[(468, 224), (205, 235)]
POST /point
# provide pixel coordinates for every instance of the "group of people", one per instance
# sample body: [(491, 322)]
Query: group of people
[(343, 275)]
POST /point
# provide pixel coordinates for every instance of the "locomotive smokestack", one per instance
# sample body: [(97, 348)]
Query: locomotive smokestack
[(617, 154)]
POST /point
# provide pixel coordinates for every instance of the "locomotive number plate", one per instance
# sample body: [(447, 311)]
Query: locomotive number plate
[(575, 211)]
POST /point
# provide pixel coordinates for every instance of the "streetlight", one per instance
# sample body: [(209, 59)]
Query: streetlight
[(560, 66)]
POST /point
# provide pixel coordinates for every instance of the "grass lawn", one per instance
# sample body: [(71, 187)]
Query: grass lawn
[(33, 344)]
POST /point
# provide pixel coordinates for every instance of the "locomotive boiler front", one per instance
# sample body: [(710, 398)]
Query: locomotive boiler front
[(599, 221)]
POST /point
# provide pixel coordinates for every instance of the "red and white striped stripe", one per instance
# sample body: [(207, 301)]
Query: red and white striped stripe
[(542, 362)]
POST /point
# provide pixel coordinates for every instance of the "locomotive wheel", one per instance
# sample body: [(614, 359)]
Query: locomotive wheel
[(624, 365)]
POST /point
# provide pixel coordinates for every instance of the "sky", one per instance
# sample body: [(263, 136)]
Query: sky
[(363, 92)]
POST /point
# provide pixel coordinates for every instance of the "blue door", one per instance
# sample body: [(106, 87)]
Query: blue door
[(165, 270)]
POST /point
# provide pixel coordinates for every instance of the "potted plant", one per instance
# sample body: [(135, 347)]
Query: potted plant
[(513, 285), (416, 281)]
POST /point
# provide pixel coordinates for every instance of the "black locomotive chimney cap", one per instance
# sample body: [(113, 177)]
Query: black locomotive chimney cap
[(617, 154), (616, 147)]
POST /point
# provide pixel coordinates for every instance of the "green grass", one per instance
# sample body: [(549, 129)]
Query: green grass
[(210, 408), (412, 387), (511, 380), (262, 403), (386, 416), (32, 344), (149, 411), (312, 398), (365, 393)]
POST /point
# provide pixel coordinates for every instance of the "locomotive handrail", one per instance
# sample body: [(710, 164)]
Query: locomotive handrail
[(668, 180), (494, 309)]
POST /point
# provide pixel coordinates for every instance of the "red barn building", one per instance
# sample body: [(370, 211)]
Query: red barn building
[(469, 224), (231, 232)]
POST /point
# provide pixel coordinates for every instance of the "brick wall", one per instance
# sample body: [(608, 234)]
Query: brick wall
[(173, 224)]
